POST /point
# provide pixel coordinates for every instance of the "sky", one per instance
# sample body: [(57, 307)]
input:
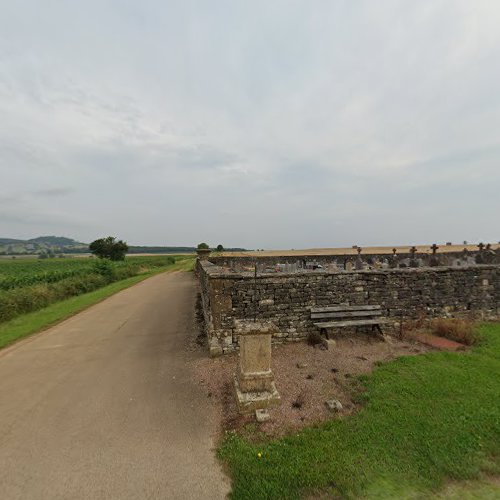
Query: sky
[(263, 124)]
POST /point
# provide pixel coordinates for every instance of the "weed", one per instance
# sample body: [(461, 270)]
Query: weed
[(457, 329)]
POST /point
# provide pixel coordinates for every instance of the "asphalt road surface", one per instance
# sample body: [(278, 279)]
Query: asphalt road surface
[(102, 406)]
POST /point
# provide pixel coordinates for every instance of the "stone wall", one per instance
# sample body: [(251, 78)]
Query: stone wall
[(286, 298), (444, 258)]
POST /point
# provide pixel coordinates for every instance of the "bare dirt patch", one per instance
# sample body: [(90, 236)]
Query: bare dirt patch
[(306, 377)]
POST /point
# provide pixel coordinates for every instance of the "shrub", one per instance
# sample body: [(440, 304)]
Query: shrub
[(457, 329), (109, 248), (105, 268)]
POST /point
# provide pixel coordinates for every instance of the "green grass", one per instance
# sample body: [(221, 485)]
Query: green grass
[(33, 322), (427, 420)]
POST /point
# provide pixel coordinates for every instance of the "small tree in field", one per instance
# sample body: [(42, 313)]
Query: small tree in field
[(109, 248), (220, 248), (203, 246)]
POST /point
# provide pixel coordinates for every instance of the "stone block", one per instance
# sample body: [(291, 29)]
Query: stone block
[(254, 380), (262, 415)]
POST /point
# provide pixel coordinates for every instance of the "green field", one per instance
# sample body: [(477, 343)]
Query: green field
[(429, 422), (37, 293)]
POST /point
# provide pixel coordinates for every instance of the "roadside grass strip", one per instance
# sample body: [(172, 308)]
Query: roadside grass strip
[(427, 421)]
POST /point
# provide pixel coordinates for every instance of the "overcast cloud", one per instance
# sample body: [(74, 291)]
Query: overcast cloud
[(264, 124)]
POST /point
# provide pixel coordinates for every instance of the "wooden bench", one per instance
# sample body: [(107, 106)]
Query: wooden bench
[(327, 318)]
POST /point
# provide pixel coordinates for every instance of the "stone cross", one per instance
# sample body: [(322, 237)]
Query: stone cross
[(434, 261), (393, 263), (481, 246), (413, 261), (358, 249)]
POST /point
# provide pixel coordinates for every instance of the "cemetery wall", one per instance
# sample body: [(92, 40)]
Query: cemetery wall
[(286, 299), (425, 258)]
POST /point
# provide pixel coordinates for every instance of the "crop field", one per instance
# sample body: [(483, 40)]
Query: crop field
[(29, 285)]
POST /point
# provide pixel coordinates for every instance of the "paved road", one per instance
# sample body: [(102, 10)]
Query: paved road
[(102, 406)]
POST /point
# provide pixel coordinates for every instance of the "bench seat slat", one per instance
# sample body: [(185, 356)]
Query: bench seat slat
[(344, 308), (346, 314), (340, 324)]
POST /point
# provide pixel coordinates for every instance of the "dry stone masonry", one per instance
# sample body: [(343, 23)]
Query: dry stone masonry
[(405, 288)]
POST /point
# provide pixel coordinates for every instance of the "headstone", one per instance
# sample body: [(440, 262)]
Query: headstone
[(393, 263), (359, 264), (413, 260), (333, 267), (348, 266), (434, 260), (254, 380)]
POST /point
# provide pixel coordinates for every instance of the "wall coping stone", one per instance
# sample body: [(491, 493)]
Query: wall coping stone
[(215, 271)]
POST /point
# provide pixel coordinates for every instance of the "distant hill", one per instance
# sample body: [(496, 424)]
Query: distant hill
[(61, 244), (7, 241), (60, 241), (41, 244)]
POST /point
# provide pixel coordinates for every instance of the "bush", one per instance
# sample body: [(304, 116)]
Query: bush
[(109, 248), (105, 268), (457, 329)]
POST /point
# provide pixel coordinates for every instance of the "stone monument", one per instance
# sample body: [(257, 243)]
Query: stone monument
[(203, 253), (254, 380), (413, 260), (434, 260)]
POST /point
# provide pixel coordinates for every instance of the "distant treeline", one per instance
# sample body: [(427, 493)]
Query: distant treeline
[(56, 245), (145, 249), (135, 249)]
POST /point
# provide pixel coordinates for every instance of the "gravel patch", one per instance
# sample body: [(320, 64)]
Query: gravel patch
[(306, 377)]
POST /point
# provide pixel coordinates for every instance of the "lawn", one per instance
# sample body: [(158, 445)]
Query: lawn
[(32, 322), (427, 422)]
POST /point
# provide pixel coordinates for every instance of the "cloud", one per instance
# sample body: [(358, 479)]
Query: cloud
[(262, 124), (53, 192)]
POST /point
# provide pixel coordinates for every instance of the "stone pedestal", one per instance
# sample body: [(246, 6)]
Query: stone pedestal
[(254, 380), (203, 253)]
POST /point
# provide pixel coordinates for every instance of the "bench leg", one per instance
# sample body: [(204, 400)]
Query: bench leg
[(324, 332)]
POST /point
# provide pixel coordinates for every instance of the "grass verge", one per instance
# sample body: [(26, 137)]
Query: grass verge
[(30, 323), (427, 420)]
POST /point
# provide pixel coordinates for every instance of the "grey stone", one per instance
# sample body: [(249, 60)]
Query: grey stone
[(262, 415), (402, 293), (334, 405)]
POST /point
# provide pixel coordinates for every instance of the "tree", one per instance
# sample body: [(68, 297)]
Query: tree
[(203, 246), (220, 248), (109, 248)]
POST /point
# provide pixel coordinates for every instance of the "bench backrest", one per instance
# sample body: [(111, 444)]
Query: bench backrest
[(339, 312)]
